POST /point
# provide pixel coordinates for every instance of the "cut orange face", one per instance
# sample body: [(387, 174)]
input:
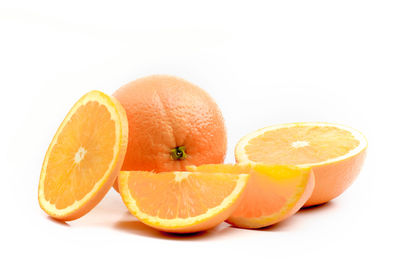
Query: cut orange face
[(181, 202), (273, 193), (84, 157), (334, 152)]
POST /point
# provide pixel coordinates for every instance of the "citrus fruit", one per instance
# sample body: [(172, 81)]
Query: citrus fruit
[(181, 202), (84, 157), (334, 152), (172, 123), (273, 193)]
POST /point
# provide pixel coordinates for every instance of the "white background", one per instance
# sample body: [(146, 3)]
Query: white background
[(263, 62)]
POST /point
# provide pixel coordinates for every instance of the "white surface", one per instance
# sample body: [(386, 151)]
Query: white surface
[(286, 61)]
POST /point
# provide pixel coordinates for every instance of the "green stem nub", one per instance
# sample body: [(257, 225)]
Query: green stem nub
[(178, 153)]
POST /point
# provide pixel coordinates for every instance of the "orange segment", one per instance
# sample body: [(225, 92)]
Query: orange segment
[(84, 157), (181, 202), (334, 152), (273, 194)]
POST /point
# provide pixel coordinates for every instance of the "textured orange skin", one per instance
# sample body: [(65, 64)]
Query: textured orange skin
[(299, 204), (291, 207), (334, 178), (165, 112)]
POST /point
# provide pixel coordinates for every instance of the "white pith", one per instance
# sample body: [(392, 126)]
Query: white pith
[(298, 144), (80, 155), (179, 176)]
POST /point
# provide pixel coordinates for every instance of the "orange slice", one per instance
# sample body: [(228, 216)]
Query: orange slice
[(181, 202), (84, 157), (334, 152), (273, 193)]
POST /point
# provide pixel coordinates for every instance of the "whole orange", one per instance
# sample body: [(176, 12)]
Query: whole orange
[(172, 123)]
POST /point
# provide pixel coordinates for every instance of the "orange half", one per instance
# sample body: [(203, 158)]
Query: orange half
[(273, 193), (181, 202), (334, 152), (84, 157)]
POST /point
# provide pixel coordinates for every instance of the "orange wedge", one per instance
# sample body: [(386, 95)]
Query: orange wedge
[(84, 157), (334, 152), (273, 193), (181, 202)]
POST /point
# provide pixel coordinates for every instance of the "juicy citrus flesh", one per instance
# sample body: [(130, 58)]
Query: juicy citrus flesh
[(299, 144), (181, 202), (84, 156), (75, 154), (302, 145), (273, 193)]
